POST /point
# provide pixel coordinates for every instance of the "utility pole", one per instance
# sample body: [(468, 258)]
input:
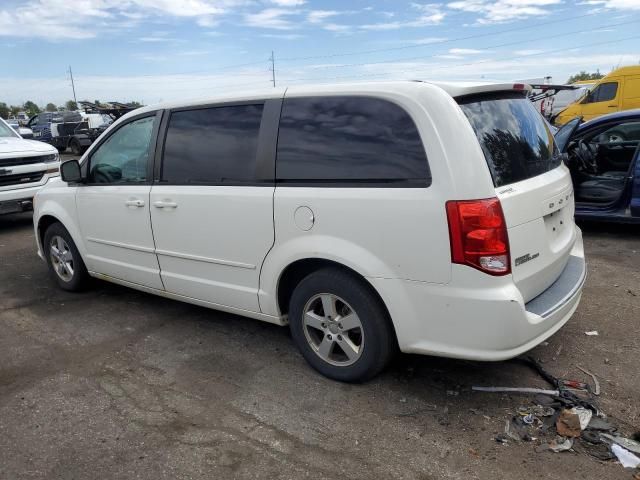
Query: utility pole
[(273, 69), (73, 86)]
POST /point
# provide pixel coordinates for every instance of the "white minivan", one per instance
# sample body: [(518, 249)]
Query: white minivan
[(429, 218)]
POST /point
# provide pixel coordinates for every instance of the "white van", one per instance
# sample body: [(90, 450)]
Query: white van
[(25, 166), (437, 219)]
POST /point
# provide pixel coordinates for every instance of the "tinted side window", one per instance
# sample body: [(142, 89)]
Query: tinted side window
[(212, 145), (604, 92), (124, 156), (349, 139)]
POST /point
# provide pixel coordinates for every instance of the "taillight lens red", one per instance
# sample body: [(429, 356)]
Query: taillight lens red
[(478, 235)]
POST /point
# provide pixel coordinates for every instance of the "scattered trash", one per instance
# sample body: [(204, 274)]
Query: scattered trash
[(630, 292), (584, 415), (596, 390), (627, 443), (403, 400), (591, 333), (453, 393), (626, 458), (537, 410), (541, 391), (568, 424), (509, 433), (569, 415), (597, 423), (560, 444)]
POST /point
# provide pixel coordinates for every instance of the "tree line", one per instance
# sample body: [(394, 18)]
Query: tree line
[(31, 108)]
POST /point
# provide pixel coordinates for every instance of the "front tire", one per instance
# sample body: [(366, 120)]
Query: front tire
[(65, 263), (340, 326)]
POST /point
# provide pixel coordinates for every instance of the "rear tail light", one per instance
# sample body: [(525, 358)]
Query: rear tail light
[(478, 235)]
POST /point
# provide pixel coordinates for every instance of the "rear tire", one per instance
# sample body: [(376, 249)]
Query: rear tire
[(340, 326), (65, 263)]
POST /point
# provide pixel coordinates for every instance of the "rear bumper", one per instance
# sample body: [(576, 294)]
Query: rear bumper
[(463, 319)]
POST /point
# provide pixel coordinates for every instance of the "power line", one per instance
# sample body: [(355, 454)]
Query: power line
[(517, 42), (366, 52), (440, 67), (438, 42)]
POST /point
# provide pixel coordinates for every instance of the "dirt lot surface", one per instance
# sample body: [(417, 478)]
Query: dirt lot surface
[(113, 383)]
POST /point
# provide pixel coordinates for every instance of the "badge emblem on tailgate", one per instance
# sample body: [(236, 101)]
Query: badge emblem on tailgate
[(525, 258)]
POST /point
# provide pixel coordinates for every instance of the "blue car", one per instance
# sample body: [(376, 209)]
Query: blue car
[(602, 155)]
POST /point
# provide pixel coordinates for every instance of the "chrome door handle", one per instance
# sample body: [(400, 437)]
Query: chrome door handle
[(134, 203), (165, 204)]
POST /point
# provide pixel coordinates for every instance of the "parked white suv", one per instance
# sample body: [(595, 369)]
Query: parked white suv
[(437, 219), (25, 166)]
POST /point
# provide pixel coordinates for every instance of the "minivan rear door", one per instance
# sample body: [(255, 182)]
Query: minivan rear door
[(532, 183), (212, 201)]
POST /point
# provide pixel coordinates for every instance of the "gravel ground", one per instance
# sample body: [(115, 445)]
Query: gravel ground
[(114, 383)]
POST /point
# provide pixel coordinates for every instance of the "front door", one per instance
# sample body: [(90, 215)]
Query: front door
[(602, 100), (212, 204), (113, 206)]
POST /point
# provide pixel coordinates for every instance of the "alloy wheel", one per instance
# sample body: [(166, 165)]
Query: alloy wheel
[(61, 258), (333, 329)]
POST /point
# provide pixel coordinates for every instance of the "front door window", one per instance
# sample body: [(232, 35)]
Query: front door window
[(124, 157)]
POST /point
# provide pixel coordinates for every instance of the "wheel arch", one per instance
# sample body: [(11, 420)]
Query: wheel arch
[(44, 222), (297, 270), (48, 218)]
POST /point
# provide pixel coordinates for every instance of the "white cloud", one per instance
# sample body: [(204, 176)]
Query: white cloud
[(465, 51), (500, 11), (271, 18), (429, 14), (335, 27), (617, 4), (427, 40), (283, 36), (318, 16), (79, 19), (288, 3)]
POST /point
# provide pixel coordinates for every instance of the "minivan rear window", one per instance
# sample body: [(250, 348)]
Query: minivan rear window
[(514, 137)]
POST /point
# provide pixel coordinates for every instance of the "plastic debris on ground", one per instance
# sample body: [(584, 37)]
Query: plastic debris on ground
[(627, 443), (625, 457), (560, 444), (566, 418), (591, 333)]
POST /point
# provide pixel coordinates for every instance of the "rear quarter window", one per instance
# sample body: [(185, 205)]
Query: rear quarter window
[(357, 141), (515, 140)]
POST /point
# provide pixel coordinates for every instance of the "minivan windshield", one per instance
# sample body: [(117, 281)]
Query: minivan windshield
[(514, 137)]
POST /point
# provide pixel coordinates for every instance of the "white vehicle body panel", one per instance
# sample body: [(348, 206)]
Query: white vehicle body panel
[(117, 232), (211, 245), (227, 247), (15, 147)]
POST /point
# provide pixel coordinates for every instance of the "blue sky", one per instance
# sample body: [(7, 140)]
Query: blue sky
[(155, 50)]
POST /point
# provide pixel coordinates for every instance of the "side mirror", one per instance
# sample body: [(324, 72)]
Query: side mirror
[(70, 171)]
